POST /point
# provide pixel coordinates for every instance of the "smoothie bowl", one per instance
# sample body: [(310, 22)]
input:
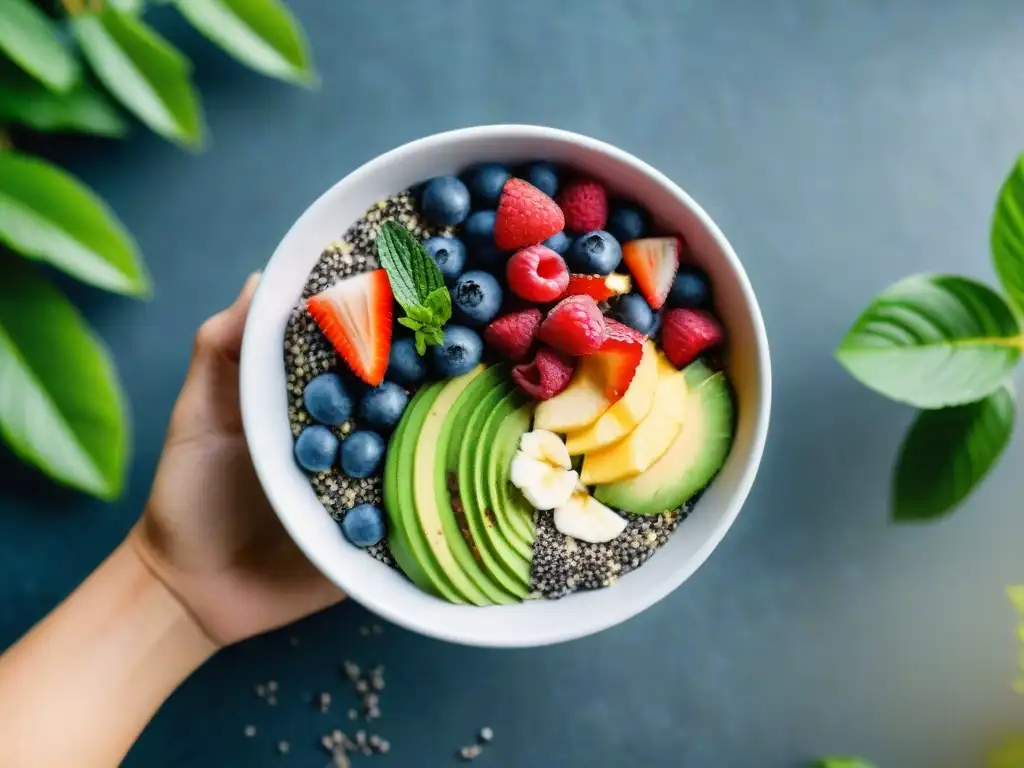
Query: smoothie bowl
[(505, 385)]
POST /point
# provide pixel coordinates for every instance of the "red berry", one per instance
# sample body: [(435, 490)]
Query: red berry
[(598, 287), (585, 205), (546, 376), (512, 335), (537, 274), (575, 326), (526, 216), (688, 333), (654, 262)]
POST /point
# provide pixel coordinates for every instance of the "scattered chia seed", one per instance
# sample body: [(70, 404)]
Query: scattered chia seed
[(283, 747), (250, 731), (486, 735), (323, 701), (472, 752), (353, 714)]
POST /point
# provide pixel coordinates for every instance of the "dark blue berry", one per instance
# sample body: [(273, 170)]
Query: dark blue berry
[(460, 353), (316, 448), (477, 298), (485, 183), (544, 176), (327, 400), (558, 242), (595, 253), (362, 454), (445, 201), (628, 221), (382, 406), (635, 312), (478, 233), (363, 525), (404, 365), (449, 254), (655, 326), (689, 289)]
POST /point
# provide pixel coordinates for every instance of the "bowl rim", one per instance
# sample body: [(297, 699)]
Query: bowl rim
[(249, 391)]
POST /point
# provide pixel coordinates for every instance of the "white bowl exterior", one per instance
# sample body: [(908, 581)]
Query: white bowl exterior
[(386, 591)]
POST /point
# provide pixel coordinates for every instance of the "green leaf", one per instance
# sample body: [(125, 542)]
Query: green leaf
[(949, 451), (1007, 239), (844, 762), (82, 109), (61, 406), (144, 71), (421, 344), (409, 323), (1009, 755), (262, 34), (411, 271), (439, 302), (420, 314), (128, 6), (30, 39), (47, 214), (933, 341)]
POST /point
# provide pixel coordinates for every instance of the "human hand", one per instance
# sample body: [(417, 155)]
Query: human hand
[(208, 532)]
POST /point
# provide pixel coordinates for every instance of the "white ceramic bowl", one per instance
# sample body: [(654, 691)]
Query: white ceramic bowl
[(387, 592)]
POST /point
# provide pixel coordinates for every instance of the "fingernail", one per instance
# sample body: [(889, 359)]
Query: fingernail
[(250, 284)]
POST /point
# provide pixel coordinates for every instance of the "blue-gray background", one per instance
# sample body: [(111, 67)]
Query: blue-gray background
[(840, 145)]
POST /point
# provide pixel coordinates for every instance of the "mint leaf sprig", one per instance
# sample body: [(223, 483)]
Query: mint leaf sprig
[(416, 282), (948, 345)]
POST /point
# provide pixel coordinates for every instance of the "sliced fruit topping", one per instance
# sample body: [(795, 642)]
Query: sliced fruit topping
[(654, 262), (688, 333), (537, 273), (585, 518), (618, 358), (580, 405), (598, 287), (585, 205), (575, 326), (548, 374), (512, 335), (526, 216), (541, 471), (355, 315)]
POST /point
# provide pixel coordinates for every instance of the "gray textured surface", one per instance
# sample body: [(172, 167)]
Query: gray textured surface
[(840, 145)]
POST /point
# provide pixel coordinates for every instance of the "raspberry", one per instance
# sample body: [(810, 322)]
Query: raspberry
[(537, 274), (585, 205), (526, 216), (575, 326), (546, 376), (512, 335), (687, 333)]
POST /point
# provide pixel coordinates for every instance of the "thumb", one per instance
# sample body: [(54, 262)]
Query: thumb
[(221, 335)]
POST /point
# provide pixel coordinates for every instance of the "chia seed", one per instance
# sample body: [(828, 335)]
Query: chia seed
[(561, 565)]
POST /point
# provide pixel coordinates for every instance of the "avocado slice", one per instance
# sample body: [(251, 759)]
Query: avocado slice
[(504, 563), (514, 514), (406, 539), (496, 515), (693, 458), (428, 471)]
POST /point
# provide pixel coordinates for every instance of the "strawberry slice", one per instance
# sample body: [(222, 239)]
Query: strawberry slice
[(355, 316), (598, 287), (618, 358), (654, 262)]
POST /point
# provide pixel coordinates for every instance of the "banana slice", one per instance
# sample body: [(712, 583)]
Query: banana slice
[(585, 518), (545, 446), (543, 485)]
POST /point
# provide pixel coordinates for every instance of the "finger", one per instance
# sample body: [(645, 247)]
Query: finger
[(221, 335)]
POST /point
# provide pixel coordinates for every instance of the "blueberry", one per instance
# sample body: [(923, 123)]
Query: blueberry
[(445, 201), (478, 233), (544, 176), (382, 406), (558, 242), (689, 289), (628, 221), (635, 312), (316, 448), (459, 354), (404, 365), (655, 326), (363, 525), (477, 297), (449, 254), (326, 399), (595, 253), (362, 454), (485, 183)]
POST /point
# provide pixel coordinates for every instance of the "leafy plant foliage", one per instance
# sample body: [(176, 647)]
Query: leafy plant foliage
[(62, 408), (948, 344)]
